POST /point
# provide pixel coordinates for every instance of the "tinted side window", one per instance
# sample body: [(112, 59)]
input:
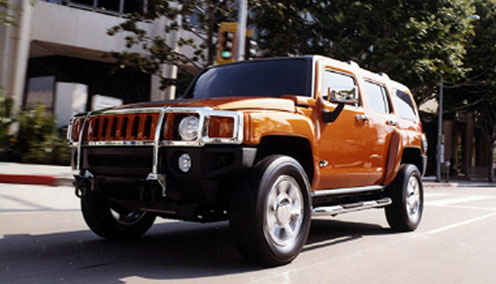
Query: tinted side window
[(336, 82), (405, 105), (377, 98)]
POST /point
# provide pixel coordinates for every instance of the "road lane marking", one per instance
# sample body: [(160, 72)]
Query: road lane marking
[(442, 229), (457, 200), (433, 194), (467, 207)]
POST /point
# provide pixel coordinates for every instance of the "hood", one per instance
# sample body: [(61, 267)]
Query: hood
[(231, 103)]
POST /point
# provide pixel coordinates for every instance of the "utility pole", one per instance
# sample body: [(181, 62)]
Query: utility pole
[(242, 14), (440, 136)]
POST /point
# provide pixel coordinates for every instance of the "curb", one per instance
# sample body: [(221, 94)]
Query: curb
[(459, 184), (36, 180)]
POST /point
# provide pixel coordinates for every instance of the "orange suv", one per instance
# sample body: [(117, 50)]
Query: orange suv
[(265, 144)]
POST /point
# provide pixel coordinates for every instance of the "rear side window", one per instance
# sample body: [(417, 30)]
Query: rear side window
[(377, 98), (405, 105)]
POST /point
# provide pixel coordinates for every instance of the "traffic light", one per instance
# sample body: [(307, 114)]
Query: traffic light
[(226, 46), (228, 41), (251, 49)]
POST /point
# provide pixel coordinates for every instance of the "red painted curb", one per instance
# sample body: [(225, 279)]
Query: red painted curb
[(28, 179)]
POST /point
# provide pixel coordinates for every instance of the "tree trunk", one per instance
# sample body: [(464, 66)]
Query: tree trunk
[(491, 162), (210, 34)]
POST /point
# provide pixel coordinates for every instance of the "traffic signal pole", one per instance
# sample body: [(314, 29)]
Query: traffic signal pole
[(242, 15)]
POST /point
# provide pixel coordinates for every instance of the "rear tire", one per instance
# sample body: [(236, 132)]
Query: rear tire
[(111, 221), (407, 194), (270, 214)]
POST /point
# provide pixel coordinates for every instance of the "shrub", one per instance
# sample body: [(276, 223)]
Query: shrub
[(37, 140), (6, 120)]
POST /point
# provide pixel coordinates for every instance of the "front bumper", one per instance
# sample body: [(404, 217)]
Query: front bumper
[(124, 167), (424, 164)]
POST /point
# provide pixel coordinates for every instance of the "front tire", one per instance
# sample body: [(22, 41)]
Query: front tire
[(111, 221), (270, 214), (407, 195)]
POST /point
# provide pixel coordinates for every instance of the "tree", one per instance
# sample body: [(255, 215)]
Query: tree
[(6, 16), (413, 41), (156, 50), (477, 91)]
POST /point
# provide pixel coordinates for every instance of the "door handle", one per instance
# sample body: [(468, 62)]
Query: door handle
[(392, 122), (361, 117)]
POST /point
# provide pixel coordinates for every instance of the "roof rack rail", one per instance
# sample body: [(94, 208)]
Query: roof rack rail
[(383, 74)]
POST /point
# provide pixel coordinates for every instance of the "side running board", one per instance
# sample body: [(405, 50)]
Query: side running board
[(350, 207)]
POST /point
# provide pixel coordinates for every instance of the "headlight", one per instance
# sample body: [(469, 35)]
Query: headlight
[(188, 128), (74, 129), (184, 162)]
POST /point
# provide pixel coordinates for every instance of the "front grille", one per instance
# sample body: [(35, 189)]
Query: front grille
[(118, 161), (121, 127), (127, 160)]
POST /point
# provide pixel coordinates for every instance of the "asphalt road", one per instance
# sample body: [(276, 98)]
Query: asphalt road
[(43, 239)]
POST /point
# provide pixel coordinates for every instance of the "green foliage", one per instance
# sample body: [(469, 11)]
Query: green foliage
[(158, 50), (412, 41), (7, 16), (6, 120), (477, 91), (37, 140), (52, 149)]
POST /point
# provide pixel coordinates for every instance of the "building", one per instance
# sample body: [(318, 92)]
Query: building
[(465, 147), (56, 55)]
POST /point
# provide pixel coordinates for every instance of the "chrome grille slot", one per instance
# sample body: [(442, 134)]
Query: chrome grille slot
[(134, 129), (124, 128), (121, 128), (113, 129)]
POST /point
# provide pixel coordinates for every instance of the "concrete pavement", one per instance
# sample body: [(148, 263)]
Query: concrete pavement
[(43, 239)]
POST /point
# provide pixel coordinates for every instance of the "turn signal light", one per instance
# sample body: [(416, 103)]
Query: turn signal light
[(221, 127)]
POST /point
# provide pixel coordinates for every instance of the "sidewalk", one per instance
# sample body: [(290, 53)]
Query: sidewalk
[(430, 181), (35, 174), (62, 176)]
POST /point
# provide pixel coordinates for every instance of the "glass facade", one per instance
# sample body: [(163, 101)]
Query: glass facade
[(112, 7)]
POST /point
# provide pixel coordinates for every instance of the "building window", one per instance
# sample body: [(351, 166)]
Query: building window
[(131, 6), (40, 91), (109, 5), (113, 7)]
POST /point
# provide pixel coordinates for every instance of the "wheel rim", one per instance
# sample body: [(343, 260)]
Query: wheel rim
[(127, 217), (284, 211), (413, 201)]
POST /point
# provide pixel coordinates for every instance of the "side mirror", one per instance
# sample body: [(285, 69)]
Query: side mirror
[(331, 116), (348, 97)]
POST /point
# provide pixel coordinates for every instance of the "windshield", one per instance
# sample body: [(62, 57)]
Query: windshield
[(268, 78)]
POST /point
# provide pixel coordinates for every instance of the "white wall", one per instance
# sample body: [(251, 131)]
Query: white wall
[(74, 27), (70, 99)]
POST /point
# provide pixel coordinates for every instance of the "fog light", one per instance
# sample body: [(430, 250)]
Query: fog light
[(184, 162)]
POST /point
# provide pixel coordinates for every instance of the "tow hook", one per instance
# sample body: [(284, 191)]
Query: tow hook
[(82, 187)]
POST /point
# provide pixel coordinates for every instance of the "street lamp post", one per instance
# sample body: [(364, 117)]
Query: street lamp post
[(440, 136), (242, 14)]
